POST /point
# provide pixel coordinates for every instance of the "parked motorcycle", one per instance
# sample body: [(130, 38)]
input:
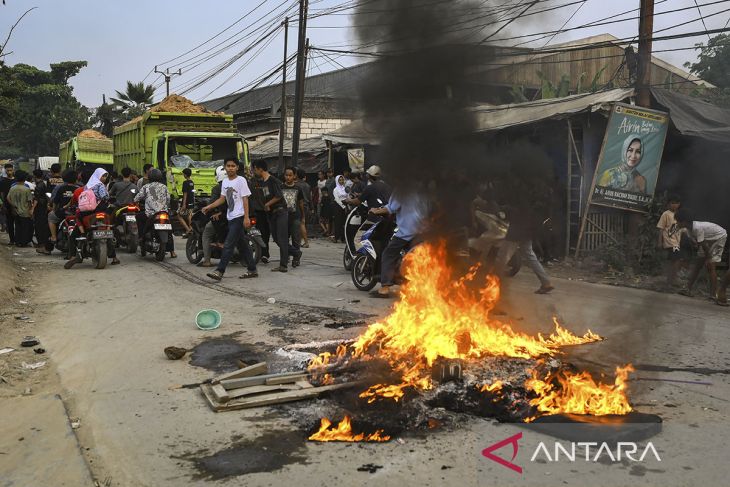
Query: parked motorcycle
[(157, 235), (126, 230), (194, 245), (96, 240)]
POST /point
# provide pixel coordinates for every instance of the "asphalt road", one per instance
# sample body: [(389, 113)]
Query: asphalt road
[(105, 330)]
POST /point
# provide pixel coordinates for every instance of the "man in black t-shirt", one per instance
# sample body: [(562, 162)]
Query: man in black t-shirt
[(375, 195), (275, 208), (64, 193), (294, 198), (5, 184)]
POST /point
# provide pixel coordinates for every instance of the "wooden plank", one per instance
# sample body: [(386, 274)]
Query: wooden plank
[(286, 379), (257, 369), (220, 393), (276, 398), (260, 380), (249, 391)]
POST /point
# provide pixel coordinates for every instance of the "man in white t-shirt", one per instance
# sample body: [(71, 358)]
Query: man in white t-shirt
[(711, 239), (234, 192)]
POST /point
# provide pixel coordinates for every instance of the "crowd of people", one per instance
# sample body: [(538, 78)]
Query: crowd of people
[(33, 206)]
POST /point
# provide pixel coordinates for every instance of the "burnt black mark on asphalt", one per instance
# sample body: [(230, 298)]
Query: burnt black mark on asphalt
[(269, 452), (221, 354), (693, 370)]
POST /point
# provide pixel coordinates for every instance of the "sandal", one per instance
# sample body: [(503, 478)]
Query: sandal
[(249, 275), (173, 255), (205, 264), (279, 269), (544, 289), (376, 294), (115, 261)]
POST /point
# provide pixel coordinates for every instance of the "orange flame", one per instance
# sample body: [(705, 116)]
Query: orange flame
[(439, 315), (343, 432), (580, 394), (493, 387)]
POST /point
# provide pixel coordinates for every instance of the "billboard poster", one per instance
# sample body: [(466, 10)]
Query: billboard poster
[(628, 167)]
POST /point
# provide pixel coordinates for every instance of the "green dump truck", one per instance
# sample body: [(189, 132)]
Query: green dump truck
[(84, 151), (172, 142)]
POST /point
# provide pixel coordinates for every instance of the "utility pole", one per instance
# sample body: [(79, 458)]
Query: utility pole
[(282, 122), (646, 32), (168, 76), (301, 73)]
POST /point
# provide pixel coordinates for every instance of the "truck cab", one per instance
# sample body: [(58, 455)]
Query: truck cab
[(201, 152)]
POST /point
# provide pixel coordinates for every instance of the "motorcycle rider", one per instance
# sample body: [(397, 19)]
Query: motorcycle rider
[(62, 195), (211, 230), (156, 198), (235, 193), (96, 183), (410, 212), (375, 194)]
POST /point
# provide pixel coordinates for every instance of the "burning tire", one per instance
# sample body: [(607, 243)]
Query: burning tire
[(364, 275)]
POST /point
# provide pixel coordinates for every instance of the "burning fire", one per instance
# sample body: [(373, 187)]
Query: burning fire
[(439, 315), (493, 387), (343, 432), (580, 394)]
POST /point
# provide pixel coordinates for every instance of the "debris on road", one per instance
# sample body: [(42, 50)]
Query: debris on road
[(22, 318), (271, 300), (175, 353), (39, 350), (36, 365), (75, 423), (29, 341), (260, 389), (6, 350)]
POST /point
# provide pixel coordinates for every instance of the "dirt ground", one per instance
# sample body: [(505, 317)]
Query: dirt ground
[(107, 407)]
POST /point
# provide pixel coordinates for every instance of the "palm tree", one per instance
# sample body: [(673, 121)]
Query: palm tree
[(137, 95)]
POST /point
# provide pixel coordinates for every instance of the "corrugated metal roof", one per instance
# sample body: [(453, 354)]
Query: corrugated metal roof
[(334, 84), (491, 117), (270, 148)]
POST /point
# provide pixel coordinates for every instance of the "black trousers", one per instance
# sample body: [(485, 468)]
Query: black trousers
[(143, 221), (279, 226), (262, 223), (23, 230), (40, 222), (10, 224), (389, 261)]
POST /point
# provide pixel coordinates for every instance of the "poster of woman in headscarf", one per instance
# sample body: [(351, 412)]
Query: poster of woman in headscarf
[(628, 167)]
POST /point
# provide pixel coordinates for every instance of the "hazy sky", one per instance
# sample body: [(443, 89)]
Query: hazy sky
[(123, 40)]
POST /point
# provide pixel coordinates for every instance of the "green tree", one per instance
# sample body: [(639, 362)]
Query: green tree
[(713, 66), (38, 109), (107, 116), (134, 95)]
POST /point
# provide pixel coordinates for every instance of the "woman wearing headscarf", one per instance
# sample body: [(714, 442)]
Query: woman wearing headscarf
[(339, 195), (625, 176)]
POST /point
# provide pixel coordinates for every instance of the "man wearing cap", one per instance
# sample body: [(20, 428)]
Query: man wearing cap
[(376, 194)]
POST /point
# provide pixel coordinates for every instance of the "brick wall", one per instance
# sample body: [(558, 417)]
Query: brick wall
[(315, 127)]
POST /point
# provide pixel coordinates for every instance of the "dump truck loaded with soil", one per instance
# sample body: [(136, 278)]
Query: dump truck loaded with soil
[(177, 134), (88, 148)]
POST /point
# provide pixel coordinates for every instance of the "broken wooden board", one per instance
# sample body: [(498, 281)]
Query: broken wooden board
[(269, 399), (257, 369), (259, 380), (220, 393)]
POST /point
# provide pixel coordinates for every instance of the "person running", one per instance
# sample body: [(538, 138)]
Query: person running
[(295, 208), (276, 210), (185, 214), (234, 193), (522, 225), (710, 238)]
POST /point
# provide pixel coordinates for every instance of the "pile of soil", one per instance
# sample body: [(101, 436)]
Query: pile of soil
[(91, 134), (180, 104)]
